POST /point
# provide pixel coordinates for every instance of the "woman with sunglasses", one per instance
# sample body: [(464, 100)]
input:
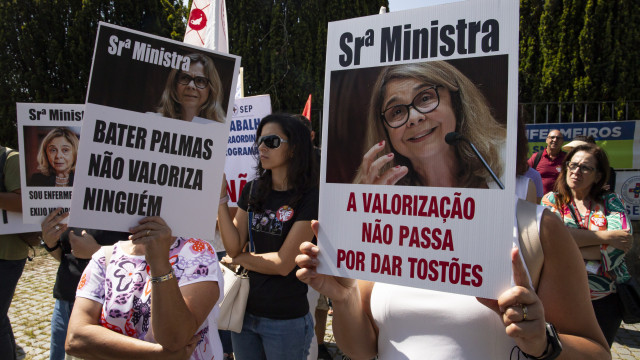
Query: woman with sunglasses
[(412, 109), (274, 213), (598, 222), (197, 92)]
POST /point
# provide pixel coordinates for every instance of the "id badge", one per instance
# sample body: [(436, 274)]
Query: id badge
[(592, 266)]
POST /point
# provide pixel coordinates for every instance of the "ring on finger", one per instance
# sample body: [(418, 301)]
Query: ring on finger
[(524, 312), (148, 232), (57, 227)]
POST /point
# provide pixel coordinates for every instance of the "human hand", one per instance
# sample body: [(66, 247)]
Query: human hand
[(620, 239), (223, 190), (154, 233), (52, 227), (333, 287), (521, 311), (83, 246), (372, 164)]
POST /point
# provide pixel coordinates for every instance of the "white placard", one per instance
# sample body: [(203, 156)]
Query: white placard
[(240, 165), (38, 126), (134, 162), (453, 239)]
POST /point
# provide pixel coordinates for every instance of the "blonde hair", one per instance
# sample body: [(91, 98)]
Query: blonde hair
[(43, 160), (211, 109), (473, 120)]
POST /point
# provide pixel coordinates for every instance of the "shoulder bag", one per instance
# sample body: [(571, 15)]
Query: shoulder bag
[(236, 288)]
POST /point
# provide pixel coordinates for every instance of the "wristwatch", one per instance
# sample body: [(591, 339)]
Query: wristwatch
[(50, 249), (554, 347)]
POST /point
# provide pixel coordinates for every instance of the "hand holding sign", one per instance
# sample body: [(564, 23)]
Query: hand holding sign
[(521, 310), (335, 288)]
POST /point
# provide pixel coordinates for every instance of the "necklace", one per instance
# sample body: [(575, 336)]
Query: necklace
[(62, 180)]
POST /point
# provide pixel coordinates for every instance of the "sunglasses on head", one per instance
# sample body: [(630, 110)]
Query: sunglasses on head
[(271, 141)]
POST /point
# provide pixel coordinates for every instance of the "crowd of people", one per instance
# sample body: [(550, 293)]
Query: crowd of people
[(149, 294)]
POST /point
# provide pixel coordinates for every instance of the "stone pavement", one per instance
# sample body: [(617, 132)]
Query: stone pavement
[(33, 302)]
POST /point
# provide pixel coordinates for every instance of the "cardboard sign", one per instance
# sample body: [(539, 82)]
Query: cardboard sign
[(398, 204), (49, 136), (240, 166), (154, 134)]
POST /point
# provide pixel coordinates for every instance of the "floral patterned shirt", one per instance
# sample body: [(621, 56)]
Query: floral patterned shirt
[(610, 215), (124, 290)]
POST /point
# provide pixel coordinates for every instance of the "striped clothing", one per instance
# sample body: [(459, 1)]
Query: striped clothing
[(612, 268)]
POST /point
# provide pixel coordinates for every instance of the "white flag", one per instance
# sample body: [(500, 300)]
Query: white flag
[(207, 25)]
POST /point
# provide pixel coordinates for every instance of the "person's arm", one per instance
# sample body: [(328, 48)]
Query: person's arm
[(591, 252), (89, 340), (619, 239), (281, 262), (531, 193), (176, 312), (11, 201), (564, 292), (353, 327), (233, 231)]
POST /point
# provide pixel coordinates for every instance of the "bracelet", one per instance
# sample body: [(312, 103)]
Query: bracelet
[(163, 278), (224, 200), (50, 249)]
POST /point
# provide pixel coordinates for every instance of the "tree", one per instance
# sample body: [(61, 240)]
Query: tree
[(49, 47), (283, 45)]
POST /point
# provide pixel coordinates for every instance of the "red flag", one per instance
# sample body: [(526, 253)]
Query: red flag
[(307, 109)]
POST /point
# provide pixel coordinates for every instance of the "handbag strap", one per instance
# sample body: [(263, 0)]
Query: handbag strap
[(529, 239)]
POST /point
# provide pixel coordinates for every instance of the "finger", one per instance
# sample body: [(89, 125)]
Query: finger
[(516, 313), (372, 154), (307, 262), (152, 219), (526, 330), (315, 225), (391, 176), (520, 276), (309, 249), (490, 303), (373, 174)]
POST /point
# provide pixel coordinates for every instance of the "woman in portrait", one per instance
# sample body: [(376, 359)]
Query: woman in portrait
[(197, 92), (412, 108), (56, 159)]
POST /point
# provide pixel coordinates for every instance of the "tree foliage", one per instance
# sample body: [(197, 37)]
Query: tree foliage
[(580, 51), (49, 47), (283, 45), (570, 50)]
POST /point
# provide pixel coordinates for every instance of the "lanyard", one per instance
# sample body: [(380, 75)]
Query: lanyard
[(582, 222)]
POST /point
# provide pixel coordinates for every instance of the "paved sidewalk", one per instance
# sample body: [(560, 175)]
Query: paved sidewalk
[(32, 305)]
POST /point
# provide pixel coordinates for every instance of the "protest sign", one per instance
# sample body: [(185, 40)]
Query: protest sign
[(628, 186), (396, 84), (240, 166), (137, 156), (620, 139), (49, 137)]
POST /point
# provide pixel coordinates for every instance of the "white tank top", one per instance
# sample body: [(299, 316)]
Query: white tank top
[(425, 324)]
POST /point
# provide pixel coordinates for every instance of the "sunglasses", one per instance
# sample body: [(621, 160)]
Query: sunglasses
[(271, 141)]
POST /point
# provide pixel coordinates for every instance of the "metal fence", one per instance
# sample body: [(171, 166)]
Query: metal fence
[(584, 111)]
